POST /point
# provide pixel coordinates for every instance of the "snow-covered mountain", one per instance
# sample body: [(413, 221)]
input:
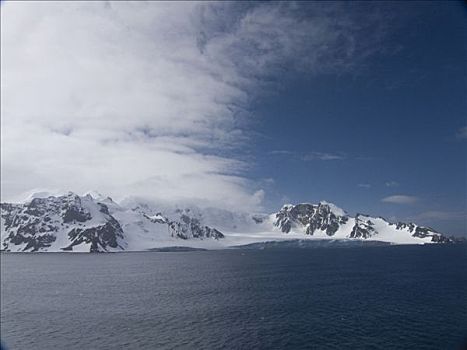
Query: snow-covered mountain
[(88, 224), (325, 220), (95, 223)]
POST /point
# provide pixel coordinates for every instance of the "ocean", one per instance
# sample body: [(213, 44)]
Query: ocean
[(381, 297)]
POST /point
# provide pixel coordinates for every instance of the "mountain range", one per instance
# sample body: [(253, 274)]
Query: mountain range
[(95, 223)]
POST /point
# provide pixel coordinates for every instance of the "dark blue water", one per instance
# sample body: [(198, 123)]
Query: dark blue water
[(330, 298)]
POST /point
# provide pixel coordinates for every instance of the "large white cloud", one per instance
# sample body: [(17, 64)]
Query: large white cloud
[(145, 98)]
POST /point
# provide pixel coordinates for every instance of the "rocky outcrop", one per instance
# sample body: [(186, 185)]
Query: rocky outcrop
[(99, 238), (188, 227), (89, 224), (68, 220), (327, 219), (363, 228), (311, 217), (83, 223)]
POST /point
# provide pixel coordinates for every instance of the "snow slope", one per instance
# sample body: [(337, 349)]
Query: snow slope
[(95, 223)]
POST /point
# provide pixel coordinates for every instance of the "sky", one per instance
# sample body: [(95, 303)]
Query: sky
[(240, 105)]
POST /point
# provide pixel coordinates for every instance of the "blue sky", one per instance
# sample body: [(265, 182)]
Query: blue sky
[(393, 127), (240, 105)]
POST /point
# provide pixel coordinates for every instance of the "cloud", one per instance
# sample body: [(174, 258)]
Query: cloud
[(152, 98), (364, 185), (310, 156), (462, 133), (282, 152), (400, 199), (268, 181), (391, 184), (322, 156)]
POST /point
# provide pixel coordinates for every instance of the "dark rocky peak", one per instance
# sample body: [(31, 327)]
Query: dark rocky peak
[(312, 217), (100, 237), (363, 227), (35, 225), (186, 227), (436, 237), (182, 223), (403, 225)]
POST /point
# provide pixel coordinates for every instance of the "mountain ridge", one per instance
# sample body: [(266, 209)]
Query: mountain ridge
[(95, 223)]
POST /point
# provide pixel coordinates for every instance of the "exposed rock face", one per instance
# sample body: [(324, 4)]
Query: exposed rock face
[(74, 223), (99, 238), (98, 224), (424, 232), (363, 228), (182, 223), (76, 220), (403, 225), (188, 227), (310, 216), (325, 218)]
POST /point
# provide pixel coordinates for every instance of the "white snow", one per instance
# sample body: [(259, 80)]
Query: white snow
[(144, 226), (334, 208), (388, 233)]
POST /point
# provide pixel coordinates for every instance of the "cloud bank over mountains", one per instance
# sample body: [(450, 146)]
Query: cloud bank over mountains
[(152, 98)]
